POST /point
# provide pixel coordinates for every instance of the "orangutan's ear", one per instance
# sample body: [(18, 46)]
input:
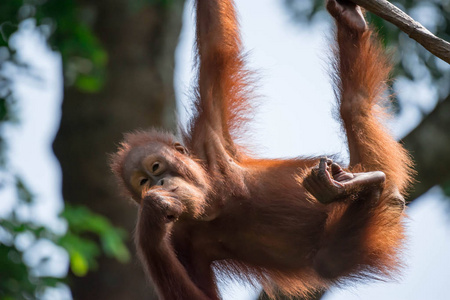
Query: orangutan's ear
[(180, 148)]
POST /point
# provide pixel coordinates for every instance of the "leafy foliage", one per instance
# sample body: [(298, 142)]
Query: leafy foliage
[(20, 280), (16, 282), (68, 31), (84, 58), (82, 250), (88, 234)]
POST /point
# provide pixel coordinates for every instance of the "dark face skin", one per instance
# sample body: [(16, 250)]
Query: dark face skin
[(156, 166), (146, 167)]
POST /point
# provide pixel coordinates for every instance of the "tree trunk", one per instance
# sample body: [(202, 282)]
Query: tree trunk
[(138, 94)]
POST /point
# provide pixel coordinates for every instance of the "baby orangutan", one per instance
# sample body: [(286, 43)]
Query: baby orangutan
[(294, 225)]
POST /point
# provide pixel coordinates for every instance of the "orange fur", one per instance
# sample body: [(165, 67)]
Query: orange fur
[(361, 90)]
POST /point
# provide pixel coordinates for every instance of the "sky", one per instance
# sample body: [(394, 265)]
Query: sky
[(30, 153), (294, 118)]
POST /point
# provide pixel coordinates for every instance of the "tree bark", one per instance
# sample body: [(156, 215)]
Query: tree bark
[(408, 25), (138, 94)]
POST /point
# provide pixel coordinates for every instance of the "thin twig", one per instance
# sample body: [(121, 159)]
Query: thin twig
[(411, 27)]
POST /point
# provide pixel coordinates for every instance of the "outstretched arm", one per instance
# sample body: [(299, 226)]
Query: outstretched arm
[(222, 104), (361, 74), (363, 235)]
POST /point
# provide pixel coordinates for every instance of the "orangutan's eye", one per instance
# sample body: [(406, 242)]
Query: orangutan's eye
[(143, 181), (155, 167)]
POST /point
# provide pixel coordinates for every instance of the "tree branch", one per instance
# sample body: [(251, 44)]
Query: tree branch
[(408, 25)]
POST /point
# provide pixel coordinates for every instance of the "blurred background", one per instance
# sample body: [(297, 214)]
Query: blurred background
[(76, 74)]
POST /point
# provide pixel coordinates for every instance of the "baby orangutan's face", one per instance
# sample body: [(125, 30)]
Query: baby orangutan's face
[(157, 166)]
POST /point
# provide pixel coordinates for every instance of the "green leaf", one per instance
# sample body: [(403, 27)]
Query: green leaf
[(99, 57), (113, 246), (78, 264), (89, 84), (81, 219), (82, 251)]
